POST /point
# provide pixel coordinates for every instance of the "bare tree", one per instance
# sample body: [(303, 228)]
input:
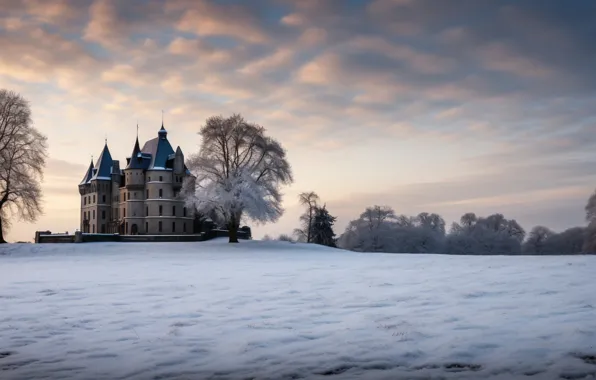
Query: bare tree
[(23, 151), (237, 173), (308, 199)]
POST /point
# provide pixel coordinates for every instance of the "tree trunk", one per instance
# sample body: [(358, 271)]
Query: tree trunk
[(233, 231), (2, 241)]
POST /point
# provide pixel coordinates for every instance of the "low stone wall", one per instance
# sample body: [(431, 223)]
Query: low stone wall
[(79, 237), (54, 238)]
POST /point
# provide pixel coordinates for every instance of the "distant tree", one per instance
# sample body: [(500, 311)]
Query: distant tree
[(322, 227), (237, 173), (378, 229), (371, 232), (266, 238), (589, 244), (308, 199), (23, 153), (568, 242), (485, 236), (537, 241), (285, 237)]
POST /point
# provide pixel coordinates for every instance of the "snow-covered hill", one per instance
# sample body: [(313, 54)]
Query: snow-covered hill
[(276, 310)]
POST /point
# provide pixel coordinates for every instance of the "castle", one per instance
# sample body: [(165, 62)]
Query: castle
[(143, 197)]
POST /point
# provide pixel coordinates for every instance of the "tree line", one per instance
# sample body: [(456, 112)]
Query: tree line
[(380, 229)]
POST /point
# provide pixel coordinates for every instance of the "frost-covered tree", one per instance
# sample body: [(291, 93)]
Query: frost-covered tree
[(237, 173), (309, 200), (379, 230), (322, 227), (485, 236), (568, 242), (537, 241), (371, 232), (23, 152)]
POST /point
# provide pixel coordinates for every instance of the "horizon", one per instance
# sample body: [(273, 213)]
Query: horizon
[(418, 105)]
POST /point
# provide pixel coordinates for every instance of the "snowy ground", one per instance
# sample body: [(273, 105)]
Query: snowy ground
[(276, 310)]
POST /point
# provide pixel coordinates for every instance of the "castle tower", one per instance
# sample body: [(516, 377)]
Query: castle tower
[(116, 174), (85, 190), (133, 192), (96, 192)]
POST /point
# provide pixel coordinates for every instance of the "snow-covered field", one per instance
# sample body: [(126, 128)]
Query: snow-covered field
[(276, 310)]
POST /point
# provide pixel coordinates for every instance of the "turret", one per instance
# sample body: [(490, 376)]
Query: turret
[(179, 162)]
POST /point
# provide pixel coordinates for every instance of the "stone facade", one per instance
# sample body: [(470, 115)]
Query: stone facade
[(140, 199)]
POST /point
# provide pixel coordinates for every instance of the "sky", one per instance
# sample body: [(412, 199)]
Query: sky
[(423, 105)]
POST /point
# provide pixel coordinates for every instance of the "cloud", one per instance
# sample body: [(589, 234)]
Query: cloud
[(206, 18)]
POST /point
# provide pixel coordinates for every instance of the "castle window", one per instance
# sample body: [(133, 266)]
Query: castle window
[(93, 214), (93, 198), (159, 226), (146, 227), (126, 229), (160, 210), (160, 179), (173, 210), (149, 180), (124, 212), (124, 197), (103, 214), (103, 228), (134, 195), (184, 211), (146, 211), (173, 226), (103, 198), (93, 228), (183, 227), (160, 193), (147, 193), (84, 200), (128, 195)]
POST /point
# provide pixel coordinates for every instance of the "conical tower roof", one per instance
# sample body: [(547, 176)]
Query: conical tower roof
[(103, 167), (88, 174)]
